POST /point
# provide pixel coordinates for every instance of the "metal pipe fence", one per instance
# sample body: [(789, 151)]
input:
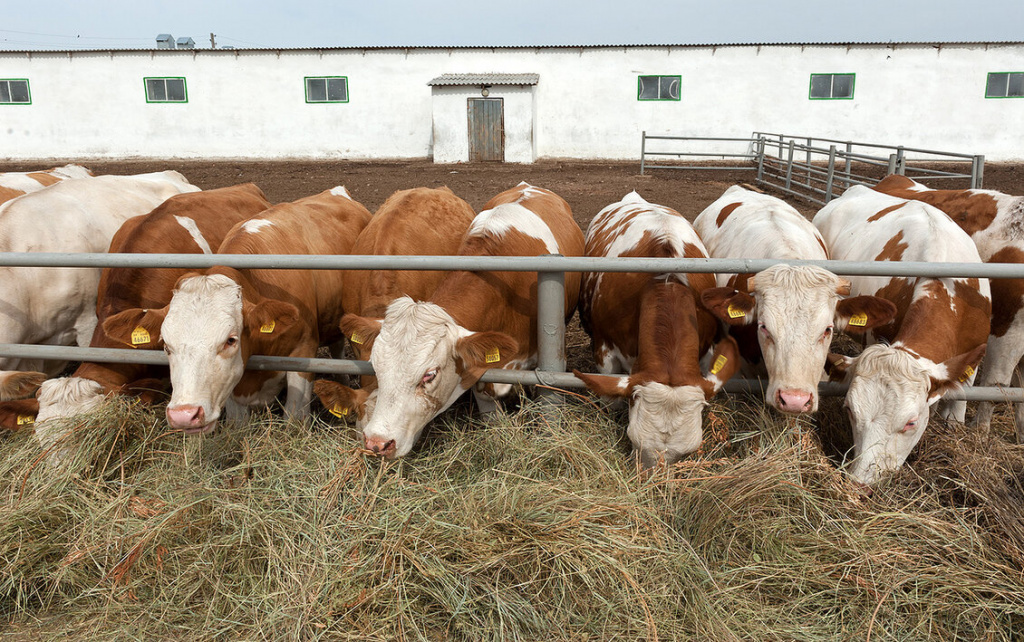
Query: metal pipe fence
[(551, 296), (645, 152)]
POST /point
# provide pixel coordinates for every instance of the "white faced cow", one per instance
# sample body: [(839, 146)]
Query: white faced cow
[(794, 310), (216, 320), (14, 184), (420, 221), (937, 339), (994, 221), (427, 354), (652, 327), (57, 306)]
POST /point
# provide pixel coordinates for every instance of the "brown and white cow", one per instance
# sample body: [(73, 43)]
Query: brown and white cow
[(652, 327), (217, 319), (787, 314), (937, 339), (192, 223), (420, 221), (994, 221), (57, 306), (14, 184), (427, 354)]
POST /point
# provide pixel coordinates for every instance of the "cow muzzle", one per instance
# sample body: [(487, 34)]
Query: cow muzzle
[(794, 401), (191, 419)]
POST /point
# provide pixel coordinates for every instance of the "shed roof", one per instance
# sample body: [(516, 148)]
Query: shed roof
[(485, 79)]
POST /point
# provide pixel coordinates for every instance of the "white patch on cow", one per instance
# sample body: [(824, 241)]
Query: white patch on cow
[(60, 399), (511, 216), (193, 229), (633, 218), (529, 191), (253, 226), (265, 395), (665, 421), (341, 191)]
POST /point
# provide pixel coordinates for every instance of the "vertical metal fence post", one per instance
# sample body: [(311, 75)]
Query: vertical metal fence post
[(643, 150), (789, 167), (977, 171), (550, 330), (849, 153), (892, 165), (807, 175), (760, 159), (831, 172), (900, 161)]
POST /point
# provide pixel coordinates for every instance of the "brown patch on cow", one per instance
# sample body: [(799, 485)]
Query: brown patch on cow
[(944, 324), (726, 211), (6, 193), (1007, 294), (44, 178), (884, 212), (972, 211), (894, 248)]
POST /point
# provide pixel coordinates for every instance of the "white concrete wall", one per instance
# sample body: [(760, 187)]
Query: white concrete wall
[(251, 104)]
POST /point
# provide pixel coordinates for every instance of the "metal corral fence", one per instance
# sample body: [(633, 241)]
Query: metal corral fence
[(551, 270), (815, 169)]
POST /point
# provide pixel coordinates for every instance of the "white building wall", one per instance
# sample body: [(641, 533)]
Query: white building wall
[(251, 103)]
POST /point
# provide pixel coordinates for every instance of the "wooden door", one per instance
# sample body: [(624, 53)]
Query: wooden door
[(486, 130)]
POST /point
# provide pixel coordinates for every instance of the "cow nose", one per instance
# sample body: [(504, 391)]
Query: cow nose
[(380, 446), (186, 417), (794, 400)]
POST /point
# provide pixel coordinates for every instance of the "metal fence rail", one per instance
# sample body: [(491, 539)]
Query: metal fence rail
[(746, 152), (551, 327)]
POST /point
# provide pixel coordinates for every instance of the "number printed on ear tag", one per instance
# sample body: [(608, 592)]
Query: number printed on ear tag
[(267, 328), (492, 356), (140, 336), (735, 312), (968, 373), (859, 319), (24, 420), (719, 364), (356, 338), (338, 410)]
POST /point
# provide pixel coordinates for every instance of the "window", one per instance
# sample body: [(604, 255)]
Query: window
[(658, 87), (166, 90), (14, 91), (327, 89), (1005, 85), (832, 86)]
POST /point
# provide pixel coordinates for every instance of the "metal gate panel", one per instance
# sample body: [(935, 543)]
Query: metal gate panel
[(486, 129)]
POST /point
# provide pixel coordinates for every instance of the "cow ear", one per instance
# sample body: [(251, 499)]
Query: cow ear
[(606, 385), (843, 287), (136, 328), (269, 319), (857, 315), (18, 414), (20, 385), (960, 370), (341, 400), (729, 305), (837, 366), (482, 350), (360, 330), (725, 362), (148, 391)]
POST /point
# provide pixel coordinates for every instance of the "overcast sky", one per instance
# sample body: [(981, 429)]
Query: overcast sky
[(105, 24)]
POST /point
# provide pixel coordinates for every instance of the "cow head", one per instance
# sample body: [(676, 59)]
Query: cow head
[(208, 332), (797, 309), (889, 399), (424, 361), (665, 421)]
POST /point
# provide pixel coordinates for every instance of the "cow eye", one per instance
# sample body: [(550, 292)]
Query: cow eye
[(828, 333), (910, 425), (763, 329), (231, 342), (428, 376)]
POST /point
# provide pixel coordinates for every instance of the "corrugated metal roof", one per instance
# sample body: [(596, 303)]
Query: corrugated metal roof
[(578, 46), (485, 79)]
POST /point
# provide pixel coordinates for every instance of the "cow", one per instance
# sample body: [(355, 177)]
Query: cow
[(189, 223), (937, 339), (14, 184), (57, 306), (994, 221), (217, 319), (426, 354), (420, 221), (652, 327), (787, 314)]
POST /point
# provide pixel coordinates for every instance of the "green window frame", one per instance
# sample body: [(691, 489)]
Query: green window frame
[(166, 89), (1005, 84), (658, 88), (832, 86), (15, 91), (326, 89)]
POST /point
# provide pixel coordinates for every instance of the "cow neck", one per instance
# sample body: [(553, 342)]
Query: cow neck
[(932, 329), (238, 277), (475, 300), (669, 341)]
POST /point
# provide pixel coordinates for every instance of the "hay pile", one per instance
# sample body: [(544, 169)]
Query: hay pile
[(527, 527)]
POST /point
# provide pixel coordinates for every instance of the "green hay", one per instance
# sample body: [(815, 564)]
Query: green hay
[(531, 525)]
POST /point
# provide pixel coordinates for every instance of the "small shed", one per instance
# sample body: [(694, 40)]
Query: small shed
[(483, 117)]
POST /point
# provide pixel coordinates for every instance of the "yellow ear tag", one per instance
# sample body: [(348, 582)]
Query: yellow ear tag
[(24, 420), (735, 312), (356, 338), (968, 373), (338, 410), (859, 319), (492, 356), (719, 364), (267, 328), (140, 336)]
